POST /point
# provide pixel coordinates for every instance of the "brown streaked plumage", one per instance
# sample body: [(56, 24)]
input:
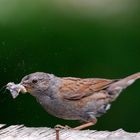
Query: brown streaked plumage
[(82, 87), (75, 98)]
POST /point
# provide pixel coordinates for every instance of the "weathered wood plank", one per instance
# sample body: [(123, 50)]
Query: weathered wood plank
[(20, 132), (1, 125)]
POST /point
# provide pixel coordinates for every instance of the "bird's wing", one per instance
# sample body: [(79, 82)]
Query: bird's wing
[(76, 88)]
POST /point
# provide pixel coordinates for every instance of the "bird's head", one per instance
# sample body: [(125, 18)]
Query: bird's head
[(36, 82)]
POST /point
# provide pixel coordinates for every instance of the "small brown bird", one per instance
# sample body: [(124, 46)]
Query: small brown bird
[(75, 98)]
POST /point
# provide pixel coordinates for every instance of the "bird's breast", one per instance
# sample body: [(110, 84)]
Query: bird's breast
[(58, 108)]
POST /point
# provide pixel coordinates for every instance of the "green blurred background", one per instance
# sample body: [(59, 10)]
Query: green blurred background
[(93, 38)]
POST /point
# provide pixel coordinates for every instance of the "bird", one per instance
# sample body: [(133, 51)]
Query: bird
[(71, 98)]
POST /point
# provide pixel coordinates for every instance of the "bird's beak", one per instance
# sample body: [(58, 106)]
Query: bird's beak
[(23, 89), (26, 86)]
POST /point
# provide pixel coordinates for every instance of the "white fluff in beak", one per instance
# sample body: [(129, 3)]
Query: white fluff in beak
[(15, 89)]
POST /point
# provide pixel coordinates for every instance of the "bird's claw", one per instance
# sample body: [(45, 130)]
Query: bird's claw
[(58, 126)]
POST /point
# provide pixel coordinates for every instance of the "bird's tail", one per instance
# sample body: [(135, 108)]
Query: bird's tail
[(116, 87)]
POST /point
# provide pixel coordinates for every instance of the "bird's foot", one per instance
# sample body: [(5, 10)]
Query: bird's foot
[(58, 126)]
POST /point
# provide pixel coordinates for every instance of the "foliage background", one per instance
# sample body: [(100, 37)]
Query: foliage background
[(93, 38)]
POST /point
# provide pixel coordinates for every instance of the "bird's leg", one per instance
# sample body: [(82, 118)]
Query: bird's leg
[(92, 122), (88, 124)]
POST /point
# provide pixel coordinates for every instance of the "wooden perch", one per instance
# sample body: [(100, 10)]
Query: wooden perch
[(20, 132)]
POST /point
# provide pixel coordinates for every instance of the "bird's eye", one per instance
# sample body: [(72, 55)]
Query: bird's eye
[(34, 81)]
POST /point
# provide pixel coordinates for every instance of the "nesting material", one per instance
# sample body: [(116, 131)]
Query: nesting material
[(15, 89)]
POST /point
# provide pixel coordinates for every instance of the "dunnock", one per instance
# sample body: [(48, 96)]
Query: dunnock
[(74, 98)]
